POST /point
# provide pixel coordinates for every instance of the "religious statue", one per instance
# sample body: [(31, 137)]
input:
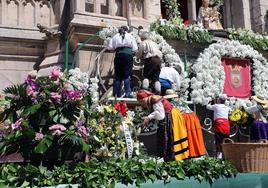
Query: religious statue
[(209, 17)]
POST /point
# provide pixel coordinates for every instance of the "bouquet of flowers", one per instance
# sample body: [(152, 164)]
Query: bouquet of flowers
[(46, 116), (238, 116)]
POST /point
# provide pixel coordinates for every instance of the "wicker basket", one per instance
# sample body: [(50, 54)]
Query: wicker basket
[(247, 157)]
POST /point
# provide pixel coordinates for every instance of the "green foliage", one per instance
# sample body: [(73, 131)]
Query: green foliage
[(248, 37), (175, 29), (107, 173)]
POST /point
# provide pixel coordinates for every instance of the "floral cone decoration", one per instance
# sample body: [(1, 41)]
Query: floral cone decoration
[(43, 112)]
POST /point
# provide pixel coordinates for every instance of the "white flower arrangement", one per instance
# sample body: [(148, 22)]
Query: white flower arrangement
[(78, 79), (210, 76), (169, 55), (93, 89)]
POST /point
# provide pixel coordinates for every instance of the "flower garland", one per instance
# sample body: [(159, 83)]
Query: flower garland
[(169, 56), (210, 76)]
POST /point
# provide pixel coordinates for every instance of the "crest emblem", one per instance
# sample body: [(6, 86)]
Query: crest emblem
[(236, 78)]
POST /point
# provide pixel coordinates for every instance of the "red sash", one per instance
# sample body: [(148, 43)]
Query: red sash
[(222, 125)]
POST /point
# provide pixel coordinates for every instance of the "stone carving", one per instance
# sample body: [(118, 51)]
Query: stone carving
[(209, 17), (50, 32)]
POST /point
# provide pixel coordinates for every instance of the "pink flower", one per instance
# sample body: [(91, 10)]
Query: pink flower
[(31, 91), (17, 124), (55, 96), (38, 136), (121, 128), (57, 129), (55, 73)]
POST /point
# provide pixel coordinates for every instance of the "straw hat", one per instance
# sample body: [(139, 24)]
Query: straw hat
[(170, 94), (259, 99)]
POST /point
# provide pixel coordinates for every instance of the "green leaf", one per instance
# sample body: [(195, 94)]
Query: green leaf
[(44, 144), (32, 109)]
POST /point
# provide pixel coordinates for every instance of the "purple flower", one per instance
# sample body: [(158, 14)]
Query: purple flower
[(73, 95), (82, 132), (30, 80), (38, 136), (55, 96), (17, 124)]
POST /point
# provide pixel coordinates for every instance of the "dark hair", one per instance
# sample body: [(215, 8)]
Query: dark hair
[(178, 68), (122, 31), (222, 101)]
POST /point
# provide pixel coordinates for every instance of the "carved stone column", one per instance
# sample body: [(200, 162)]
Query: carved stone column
[(146, 9), (227, 14), (3, 12), (97, 7), (111, 4), (80, 6), (192, 10)]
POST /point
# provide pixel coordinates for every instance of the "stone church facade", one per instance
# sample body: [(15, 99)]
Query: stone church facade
[(24, 46)]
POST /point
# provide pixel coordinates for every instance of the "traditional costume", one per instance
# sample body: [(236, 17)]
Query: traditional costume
[(221, 123), (172, 134), (259, 129), (124, 45), (193, 126), (150, 54)]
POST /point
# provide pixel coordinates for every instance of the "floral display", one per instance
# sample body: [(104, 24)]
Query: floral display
[(175, 29), (209, 77), (42, 116), (168, 54), (248, 37), (238, 116)]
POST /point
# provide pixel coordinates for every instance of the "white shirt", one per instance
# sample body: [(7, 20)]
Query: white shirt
[(117, 42), (147, 49), (169, 73), (220, 110), (159, 111)]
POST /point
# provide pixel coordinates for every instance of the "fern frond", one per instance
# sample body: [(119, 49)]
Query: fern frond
[(19, 90)]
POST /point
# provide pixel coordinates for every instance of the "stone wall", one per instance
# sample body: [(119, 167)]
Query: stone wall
[(249, 14)]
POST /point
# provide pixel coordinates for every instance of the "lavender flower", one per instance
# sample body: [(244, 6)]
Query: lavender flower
[(17, 124)]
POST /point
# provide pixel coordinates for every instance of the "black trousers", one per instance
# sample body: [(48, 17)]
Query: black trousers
[(152, 68), (123, 64)]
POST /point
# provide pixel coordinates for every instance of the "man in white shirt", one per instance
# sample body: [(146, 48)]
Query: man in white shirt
[(150, 54), (170, 78), (124, 44), (221, 122)]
